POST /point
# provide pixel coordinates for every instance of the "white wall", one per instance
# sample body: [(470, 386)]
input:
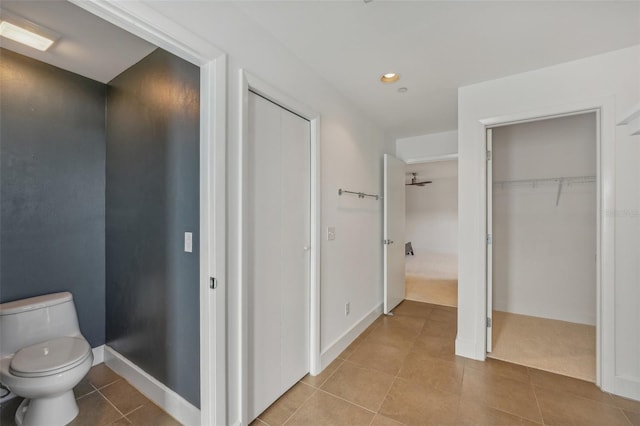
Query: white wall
[(612, 81), (415, 148), (544, 254), (351, 157), (432, 210)]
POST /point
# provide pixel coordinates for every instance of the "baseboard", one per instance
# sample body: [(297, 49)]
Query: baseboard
[(98, 355), (341, 343), (628, 387), (153, 389)]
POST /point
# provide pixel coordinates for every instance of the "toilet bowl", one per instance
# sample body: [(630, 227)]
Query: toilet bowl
[(44, 357)]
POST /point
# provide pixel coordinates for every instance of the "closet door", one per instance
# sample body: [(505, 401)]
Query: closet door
[(277, 238)]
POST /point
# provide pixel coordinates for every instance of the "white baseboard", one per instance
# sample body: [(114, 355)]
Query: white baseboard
[(340, 344), (152, 388), (628, 387), (98, 355)]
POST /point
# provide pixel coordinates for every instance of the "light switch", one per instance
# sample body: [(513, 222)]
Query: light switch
[(188, 242), (331, 233)]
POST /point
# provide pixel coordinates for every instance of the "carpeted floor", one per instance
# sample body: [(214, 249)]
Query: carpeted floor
[(432, 277)]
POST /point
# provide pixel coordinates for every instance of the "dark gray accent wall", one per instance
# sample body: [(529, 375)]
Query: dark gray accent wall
[(52, 185), (152, 198)]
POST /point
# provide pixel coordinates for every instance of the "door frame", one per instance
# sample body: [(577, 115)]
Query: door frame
[(605, 223), (145, 22), (249, 82)]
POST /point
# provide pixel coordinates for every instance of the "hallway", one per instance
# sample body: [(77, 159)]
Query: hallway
[(402, 370)]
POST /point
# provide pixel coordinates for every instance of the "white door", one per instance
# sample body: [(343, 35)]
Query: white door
[(278, 237), (489, 241), (394, 218)]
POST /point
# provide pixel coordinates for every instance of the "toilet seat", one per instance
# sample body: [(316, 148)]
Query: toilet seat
[(50, 357)]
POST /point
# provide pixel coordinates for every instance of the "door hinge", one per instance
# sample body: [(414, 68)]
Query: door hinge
[(387, 242), (488, 155), (489, 239), (213, 283), (488, 322)]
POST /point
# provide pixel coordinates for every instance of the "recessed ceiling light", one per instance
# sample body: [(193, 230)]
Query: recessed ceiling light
[(389, 77), (24, 36)]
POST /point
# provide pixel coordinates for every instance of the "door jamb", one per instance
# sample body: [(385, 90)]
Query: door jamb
[(605, 177), (249, 82), (143, 21)]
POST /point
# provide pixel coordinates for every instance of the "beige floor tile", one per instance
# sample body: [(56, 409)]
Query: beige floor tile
[(634, 418), (501, 368), (122, 421), (472, 413), (380, 420), (436, 347), (317, 381), (381, 357), (125, 397), (547, 380), (286, 405), (151, 415), (415, 404), (392, 336), (95, 410), (434, 372), (625, 403), (446, 329), (444, 315), (100, 375), (502, 393), (324, 409), (558, 346), (83, 388), (257, 422), (362, 386), (562, 408), (414, 309), (429, 290)]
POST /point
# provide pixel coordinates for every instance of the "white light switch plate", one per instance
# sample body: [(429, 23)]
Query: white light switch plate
[(188, 242)]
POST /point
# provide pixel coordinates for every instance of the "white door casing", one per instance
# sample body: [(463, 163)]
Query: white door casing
[(278, 251), (394, 221), (489, 242)]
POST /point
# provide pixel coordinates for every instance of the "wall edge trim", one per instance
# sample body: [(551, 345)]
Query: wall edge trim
[(98, 355), (152, 388)]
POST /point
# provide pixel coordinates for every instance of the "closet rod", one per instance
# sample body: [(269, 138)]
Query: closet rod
[(563, 179), (359, 194)]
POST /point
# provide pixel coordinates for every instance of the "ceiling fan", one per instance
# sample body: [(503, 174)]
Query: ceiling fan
[(414, 181)]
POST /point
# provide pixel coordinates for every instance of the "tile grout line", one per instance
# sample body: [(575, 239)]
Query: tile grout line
[(110, 403), (535, 395), (298, 409), (347, 401), (626, 417)]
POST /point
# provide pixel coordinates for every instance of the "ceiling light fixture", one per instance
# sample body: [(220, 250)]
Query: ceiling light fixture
[(24, 36), (390, 77)]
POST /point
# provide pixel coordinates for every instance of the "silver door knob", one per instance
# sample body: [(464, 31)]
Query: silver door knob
[(306, 248)]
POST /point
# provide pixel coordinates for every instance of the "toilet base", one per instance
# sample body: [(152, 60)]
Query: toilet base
[(54, 411)]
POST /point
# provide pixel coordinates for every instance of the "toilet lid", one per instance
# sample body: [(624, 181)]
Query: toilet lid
[(50, 357)]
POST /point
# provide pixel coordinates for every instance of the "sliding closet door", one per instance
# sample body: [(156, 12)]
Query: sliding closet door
[(278, 237)]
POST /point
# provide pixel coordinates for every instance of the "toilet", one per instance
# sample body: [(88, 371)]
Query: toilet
[(43, 356)]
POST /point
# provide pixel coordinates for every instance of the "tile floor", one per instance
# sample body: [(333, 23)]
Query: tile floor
[(104, 398), (558, 346), (402, 370)]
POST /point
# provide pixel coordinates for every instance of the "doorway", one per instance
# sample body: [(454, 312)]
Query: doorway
[(431, 227), (278, 250), (542, 244)]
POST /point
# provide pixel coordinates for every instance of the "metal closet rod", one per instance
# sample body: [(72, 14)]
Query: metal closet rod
[(556, 180), (359, 194)]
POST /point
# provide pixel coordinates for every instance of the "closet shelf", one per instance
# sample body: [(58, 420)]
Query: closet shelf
[(560, 181)]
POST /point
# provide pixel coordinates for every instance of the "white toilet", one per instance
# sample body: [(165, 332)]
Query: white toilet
[(42, 357)]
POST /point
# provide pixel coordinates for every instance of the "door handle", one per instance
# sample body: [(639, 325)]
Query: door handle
[(306, 248)]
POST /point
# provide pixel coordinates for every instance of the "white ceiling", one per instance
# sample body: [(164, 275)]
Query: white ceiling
[(437, 47), (87, 45)]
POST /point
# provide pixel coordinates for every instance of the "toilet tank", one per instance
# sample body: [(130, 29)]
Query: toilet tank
[(36, 319)]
